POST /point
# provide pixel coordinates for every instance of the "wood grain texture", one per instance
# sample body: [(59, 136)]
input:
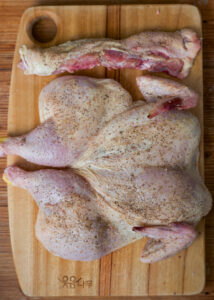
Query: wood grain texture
[(120, 273), (10, 13)]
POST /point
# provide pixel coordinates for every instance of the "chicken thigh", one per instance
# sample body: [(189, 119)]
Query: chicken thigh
[(139, 159), (73, 221), (72, 110)]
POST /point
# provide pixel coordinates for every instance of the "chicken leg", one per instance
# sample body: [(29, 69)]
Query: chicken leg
[(42, 146), (72, 109), (73, 221)]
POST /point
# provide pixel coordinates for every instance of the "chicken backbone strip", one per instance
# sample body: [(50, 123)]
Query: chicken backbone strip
[(155, 51)]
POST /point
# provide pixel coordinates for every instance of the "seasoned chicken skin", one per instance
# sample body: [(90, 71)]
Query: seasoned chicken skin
[(73, 221), (72, 109), (134, 166), (155, 51)]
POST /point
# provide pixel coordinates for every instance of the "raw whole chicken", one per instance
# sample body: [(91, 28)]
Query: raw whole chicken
[(133, 167), (155, 51)]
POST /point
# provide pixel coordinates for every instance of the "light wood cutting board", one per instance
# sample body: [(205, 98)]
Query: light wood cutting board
[(120, 273)]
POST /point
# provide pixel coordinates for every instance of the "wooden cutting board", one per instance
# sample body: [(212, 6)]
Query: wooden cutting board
[(120, 273)]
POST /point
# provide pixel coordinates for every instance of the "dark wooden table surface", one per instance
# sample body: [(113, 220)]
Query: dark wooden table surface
[(10, 13)]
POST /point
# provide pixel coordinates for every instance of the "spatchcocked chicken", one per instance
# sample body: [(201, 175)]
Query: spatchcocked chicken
[(155, 51), (133, 167)]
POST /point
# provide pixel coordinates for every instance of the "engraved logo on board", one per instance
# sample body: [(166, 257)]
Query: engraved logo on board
[(72, 282)]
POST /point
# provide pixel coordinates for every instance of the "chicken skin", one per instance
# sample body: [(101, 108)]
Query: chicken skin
[(134, 167), (72, 110), (73, 221), (155, 51)]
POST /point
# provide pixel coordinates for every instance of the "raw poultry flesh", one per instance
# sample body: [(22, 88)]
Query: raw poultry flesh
[(155, 51), (134, 167), (72, 110), (73, 221)]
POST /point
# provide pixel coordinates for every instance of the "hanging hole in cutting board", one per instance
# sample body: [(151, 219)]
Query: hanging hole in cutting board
[(43, 29)]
